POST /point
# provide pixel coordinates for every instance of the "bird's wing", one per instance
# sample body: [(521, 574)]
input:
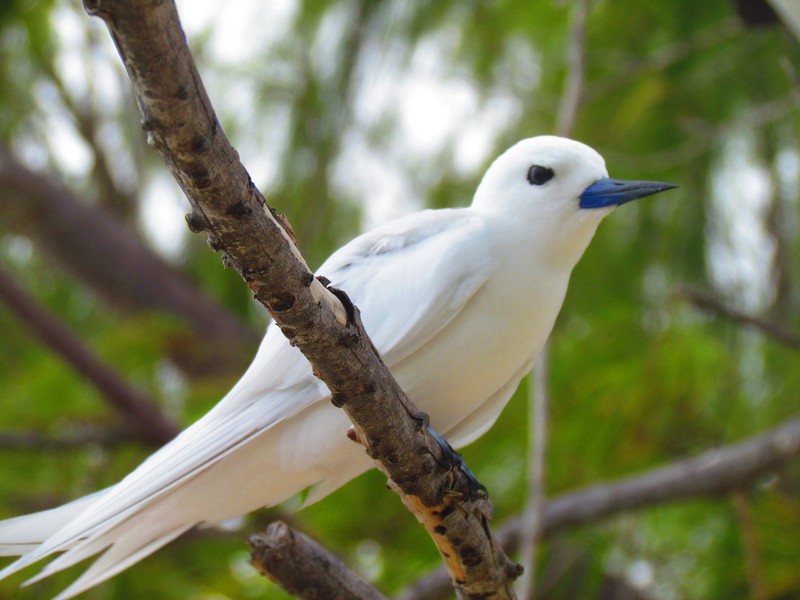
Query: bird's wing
[(412, 276)]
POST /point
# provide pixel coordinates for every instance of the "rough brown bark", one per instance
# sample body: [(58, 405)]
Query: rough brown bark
[(100, 250), (180, 122), (304, 568)]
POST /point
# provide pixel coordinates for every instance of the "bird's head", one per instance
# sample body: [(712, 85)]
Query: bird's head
[(558, 190)]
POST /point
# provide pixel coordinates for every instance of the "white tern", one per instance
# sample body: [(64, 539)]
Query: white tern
[(459, 303)]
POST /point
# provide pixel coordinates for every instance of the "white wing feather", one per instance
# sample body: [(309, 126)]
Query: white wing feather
[(408, 266)]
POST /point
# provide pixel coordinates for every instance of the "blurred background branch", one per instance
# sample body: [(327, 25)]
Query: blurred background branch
[(85, 436), (140, 412), (566, 117), (708, 302), (732, 468), (99, 250)]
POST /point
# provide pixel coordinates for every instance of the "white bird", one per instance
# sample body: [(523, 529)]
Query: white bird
[(459, 303)]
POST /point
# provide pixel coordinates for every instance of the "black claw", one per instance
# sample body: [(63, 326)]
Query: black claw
[(476, 488)]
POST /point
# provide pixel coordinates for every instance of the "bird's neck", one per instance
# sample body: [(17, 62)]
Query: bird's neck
[(545, 246)]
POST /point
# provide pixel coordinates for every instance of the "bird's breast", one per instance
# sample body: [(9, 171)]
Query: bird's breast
[(484, 349)]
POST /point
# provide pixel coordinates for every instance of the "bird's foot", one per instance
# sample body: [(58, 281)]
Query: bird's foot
[(456, 461)]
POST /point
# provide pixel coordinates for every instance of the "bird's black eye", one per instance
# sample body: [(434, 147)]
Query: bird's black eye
[(538, 175)]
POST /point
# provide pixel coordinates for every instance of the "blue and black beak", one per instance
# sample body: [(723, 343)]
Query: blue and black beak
[(613, 192)]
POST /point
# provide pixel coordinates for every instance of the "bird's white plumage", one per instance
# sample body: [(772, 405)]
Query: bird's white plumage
[(459, 303)]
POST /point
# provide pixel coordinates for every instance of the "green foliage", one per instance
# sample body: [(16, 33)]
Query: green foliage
[(639, 377)]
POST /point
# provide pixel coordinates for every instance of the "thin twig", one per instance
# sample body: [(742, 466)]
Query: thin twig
[(705, 137), (572, 96), (80, 438), (537, 473), (752, 554), (87, 125), (142, 413), (664, 58), (710, 303), (539, 397)]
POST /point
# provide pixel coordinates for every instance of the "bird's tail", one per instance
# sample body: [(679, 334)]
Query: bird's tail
[(23, 534), (224, 466)]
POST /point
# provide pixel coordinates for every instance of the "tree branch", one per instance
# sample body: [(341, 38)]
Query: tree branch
[(141, 412), (710, 474), (572, 95), (705, 137), (87, 125), (750, 545), (103, 252), (304, 568), (710, 303), (85, 436), (568, 107), (664, 58), (181, 124)]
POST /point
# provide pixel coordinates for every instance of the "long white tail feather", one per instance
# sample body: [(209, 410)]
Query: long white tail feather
[(124, 553), (135, 517), (22, 534)]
